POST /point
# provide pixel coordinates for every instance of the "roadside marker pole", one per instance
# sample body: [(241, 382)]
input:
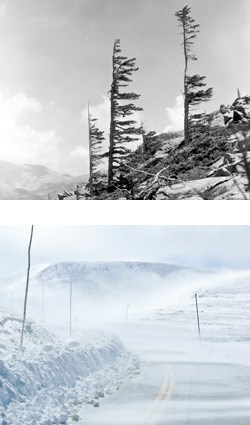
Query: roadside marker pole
[(126, 318), (70, 309), (197, 313), (43, 297)]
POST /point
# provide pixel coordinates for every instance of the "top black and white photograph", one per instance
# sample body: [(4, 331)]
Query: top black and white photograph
[(124, 100)]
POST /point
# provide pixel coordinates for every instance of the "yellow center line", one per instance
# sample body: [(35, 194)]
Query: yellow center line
[(162, 406)]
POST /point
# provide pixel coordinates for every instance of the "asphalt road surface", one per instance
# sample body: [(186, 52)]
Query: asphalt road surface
[(174, 388)]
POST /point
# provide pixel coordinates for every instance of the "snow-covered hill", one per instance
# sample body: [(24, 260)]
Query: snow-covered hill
[(117, 276), (45, 381), (33, 181), (224, 306), (101, 290)]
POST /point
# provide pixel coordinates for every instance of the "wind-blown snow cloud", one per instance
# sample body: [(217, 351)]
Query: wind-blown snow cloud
[(19, 141), (175, 115)]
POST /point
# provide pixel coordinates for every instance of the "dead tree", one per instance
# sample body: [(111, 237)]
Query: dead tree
[(96, 139)]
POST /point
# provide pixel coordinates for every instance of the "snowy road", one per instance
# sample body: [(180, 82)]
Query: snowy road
[(179, 384)]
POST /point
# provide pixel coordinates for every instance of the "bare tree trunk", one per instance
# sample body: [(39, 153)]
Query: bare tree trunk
[(26, 289), (143, 139), (112, 124), (90, 159)]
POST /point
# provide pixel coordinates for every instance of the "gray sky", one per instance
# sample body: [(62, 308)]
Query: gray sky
[(56, 56), (195, 246)]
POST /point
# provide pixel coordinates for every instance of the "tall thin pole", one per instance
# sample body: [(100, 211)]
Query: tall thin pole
[(143, 138), (126, 318), (43, 296), (27, 288), (197, 313), (70, 309)]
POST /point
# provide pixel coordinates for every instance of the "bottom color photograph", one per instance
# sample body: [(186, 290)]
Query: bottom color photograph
[(125, 325)]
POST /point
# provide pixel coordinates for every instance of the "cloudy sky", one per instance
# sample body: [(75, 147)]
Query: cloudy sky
[(193, 246), (56, 56)]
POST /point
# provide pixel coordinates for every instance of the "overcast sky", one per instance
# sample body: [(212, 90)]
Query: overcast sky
[(194, 246), (56, 56)]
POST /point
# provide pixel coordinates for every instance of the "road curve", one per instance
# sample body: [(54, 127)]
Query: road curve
[(173, 389)]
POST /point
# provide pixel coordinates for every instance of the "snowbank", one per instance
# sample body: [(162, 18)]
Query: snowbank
[(45, 381)]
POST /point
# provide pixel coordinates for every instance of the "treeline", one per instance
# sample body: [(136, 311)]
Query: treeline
[(124, 128)]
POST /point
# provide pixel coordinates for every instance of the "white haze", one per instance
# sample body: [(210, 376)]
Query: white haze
[(105, 298)]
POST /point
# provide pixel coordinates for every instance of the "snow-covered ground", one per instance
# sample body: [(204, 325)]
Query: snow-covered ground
[(53, 375), (224, 308), (50, 378)]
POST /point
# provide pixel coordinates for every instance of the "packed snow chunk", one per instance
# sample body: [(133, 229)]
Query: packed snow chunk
[(45, 381)]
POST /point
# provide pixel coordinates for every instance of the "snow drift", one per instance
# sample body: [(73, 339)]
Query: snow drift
[(45, 381)]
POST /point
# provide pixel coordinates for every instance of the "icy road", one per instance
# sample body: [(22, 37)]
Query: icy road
[(181, 381)]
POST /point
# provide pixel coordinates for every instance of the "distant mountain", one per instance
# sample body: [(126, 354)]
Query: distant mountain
[(99, 278), (33, 181), (101, 291)]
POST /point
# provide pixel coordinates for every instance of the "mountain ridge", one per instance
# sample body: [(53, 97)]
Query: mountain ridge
[(33, 181)]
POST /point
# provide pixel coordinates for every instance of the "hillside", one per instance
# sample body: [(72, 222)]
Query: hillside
[(213, 166), (210, 167), (223, 306), (111, 272), (33, 181)]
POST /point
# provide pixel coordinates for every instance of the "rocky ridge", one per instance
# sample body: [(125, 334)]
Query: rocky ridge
[(212, 167)]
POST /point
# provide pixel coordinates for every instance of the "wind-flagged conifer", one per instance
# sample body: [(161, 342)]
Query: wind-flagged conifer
[(123, 128), (194, 94), (96, 138)]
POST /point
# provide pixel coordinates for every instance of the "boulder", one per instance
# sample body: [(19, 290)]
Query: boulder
[(193, 198), (234, 189), (187, 189)]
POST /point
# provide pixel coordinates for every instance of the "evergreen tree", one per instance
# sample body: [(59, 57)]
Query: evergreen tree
[(194, 93), (96, 139), (123, 128)]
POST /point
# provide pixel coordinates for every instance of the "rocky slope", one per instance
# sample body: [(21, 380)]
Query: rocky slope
[(210, 168)]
